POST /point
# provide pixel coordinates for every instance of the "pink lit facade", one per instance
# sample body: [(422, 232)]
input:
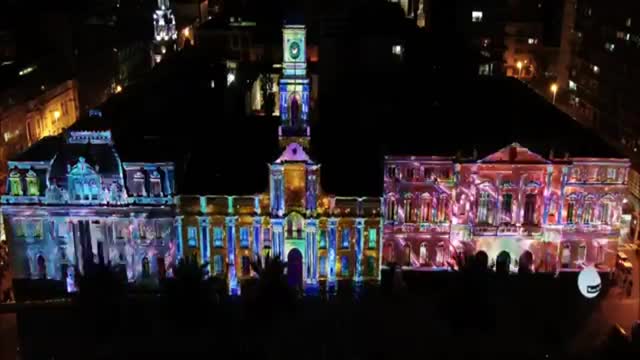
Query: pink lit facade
[(566, 212)]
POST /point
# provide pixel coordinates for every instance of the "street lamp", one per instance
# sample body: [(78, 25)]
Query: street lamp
[(554, 90), (56, 115), (519, 65)]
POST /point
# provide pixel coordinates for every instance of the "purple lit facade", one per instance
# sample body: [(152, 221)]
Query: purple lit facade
[(563, 213)]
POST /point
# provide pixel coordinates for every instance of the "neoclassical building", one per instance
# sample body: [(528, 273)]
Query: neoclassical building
[(565, 212), (70, 200)]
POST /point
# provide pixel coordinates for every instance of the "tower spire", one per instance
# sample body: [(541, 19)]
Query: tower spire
[(164, 31), (294, 88)]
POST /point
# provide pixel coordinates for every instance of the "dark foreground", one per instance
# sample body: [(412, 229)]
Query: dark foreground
[(431, 315)]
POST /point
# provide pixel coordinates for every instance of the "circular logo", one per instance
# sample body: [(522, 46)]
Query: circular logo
[(589, 282), (294, 50)]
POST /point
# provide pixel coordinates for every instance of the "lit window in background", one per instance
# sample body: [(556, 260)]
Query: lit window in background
[(573, 86), (596, 69), (628, 22), (476, 16), (231, 77), (532, 41), (609, 46), (397, 49)]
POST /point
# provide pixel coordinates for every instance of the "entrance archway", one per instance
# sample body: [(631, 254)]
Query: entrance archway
[(294, 268)]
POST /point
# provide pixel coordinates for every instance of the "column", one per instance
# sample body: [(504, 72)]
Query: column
[(277, 238), (563, 181), (178, 240), (359, 247), (257, 237), (205, 245), (519, 206), (311, 227), (232, 277), (331, 279), (498, 209), (547, 195)]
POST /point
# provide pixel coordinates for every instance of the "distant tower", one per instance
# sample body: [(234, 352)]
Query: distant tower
[(164, 31), (294, 88)]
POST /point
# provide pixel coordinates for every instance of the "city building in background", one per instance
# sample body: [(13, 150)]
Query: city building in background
[(602, 83), (74, 199), (544, 214), (164, 31), (34, 109)]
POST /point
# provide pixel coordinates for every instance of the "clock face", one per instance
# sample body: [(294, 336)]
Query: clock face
[(294, 50)]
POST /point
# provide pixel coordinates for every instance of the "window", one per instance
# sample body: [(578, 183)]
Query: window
[(192, 236), (407, 254), (266, 238), (346, 238), (530, 209), (15, 183), (32, 184), (573, 86), (218, 237), (571, 212), (628, 22), (391, 171), (138, 184), (427, 173), (391, 209), (476, 16), (532, 41), (566, 256), (440, 256), (596, 69), (408, 210), (410, 173), (442, 208), (322, 242), (371, 266), (322, 265), (611, 173), (373, 238), (218, 264), (582, 253), (344, 266), (156, 184), (424, 257), (609, 46), (484, 216), (397, 50), (425, 209), (587, 213), (246, 266), (244, 237), (507, 200), (605, 216)]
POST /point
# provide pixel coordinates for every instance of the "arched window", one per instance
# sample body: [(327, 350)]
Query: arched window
[(530, 209), (15, 183), (484, 208), (571, 211), (33, 188), (587, 212), (605, 212), (424, 257), (442, 208), (507, 207), (322, 242), (407, 254), (425, 208), (391, 208), (408, 209)]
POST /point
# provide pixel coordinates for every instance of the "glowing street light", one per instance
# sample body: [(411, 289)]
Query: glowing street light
[(554, 90), (519, 65), (118, 89), (56, 115)]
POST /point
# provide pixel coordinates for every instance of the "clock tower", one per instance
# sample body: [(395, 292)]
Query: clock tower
[(294, 88)]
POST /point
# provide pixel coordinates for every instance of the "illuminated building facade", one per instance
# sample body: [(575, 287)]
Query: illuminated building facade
[(71, 200), (566, 212), (27, 118)]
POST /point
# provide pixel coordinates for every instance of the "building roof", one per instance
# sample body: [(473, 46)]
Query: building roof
[(218, 150)]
